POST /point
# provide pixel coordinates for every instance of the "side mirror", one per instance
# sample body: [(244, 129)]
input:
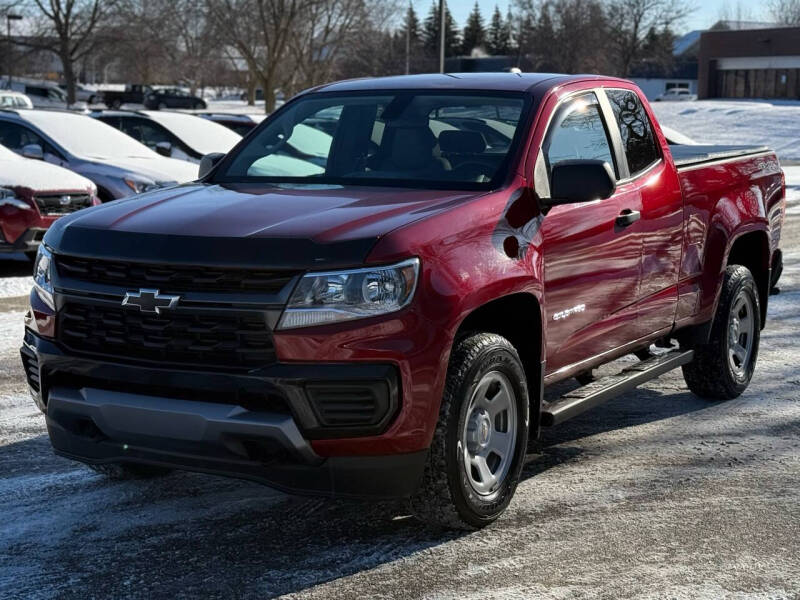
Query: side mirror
[(580, 181), (33, 151), (164, 149), (208, 162)]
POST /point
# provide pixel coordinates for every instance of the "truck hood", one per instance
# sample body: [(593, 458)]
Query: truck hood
[(248, 224)]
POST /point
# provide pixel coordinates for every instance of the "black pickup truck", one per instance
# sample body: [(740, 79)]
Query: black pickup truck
[(133, 94)]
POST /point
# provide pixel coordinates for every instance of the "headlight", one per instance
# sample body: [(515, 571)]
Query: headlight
[(354, 294), (42, 275), (9, 198), (140, 187)]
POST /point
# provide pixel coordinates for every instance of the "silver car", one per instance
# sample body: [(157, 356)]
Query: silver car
[(117, 164)]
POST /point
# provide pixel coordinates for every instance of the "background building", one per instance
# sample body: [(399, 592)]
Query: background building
[(750, 63)]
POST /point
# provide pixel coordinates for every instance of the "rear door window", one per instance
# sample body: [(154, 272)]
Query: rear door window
[(638, 139)]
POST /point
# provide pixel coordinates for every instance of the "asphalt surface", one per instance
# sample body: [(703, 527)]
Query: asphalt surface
[(657, 494)]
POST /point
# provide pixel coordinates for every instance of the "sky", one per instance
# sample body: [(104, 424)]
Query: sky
[(706, 12)]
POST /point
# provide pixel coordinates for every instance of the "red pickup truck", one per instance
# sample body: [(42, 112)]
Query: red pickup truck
[(368, 295)]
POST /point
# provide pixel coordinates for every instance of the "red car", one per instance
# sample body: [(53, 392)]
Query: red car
[(33, 194), (368, 295)]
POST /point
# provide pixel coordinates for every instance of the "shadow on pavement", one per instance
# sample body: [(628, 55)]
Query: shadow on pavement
[(190, 534)]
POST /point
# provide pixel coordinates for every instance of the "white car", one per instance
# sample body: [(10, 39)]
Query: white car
[(676, 95), (12, 99), (84, 94), (170, 133)]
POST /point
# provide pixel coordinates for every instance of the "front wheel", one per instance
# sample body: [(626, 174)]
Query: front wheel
[(723, 368), (478, 448)]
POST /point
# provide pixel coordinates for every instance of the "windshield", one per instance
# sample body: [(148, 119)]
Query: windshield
[(199, 134), (408, 138), (83, 136)]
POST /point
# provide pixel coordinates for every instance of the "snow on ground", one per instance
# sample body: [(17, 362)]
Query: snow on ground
[(15, 278), (792, 190), (776, 125)]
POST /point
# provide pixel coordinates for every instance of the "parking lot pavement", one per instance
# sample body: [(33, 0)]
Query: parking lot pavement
[(656, 494)]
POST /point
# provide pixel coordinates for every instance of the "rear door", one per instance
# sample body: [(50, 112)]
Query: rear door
[(591, 264), (661, 223)]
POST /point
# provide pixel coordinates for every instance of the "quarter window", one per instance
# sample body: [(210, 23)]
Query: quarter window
[(578, 132), (635, 128)]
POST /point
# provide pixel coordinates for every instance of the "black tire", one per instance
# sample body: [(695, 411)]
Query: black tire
[(116, 104), (162, 106), (446, 497), (711, 374), (124, 472)]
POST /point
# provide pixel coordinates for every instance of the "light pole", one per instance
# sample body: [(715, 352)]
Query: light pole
[(10, 17), (408, 39), (441, 35)]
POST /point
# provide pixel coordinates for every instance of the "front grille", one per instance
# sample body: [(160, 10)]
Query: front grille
[(230, 339), (62, 204), (173, 278)]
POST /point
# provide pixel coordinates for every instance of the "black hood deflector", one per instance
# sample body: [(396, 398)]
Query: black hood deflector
[(248, 252)]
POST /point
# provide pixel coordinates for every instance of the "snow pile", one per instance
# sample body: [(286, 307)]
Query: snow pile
[(737, 122), (13, 287)]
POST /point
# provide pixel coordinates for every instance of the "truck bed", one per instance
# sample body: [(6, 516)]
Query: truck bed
[(687, 156)]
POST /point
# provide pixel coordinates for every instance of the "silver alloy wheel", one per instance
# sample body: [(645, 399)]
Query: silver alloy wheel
[(490, 434), (740, 335)]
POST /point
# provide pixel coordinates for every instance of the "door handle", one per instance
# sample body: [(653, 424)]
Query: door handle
[(628, 217)]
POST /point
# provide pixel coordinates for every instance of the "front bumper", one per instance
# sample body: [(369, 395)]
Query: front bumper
[(28, 241), (256, 425)]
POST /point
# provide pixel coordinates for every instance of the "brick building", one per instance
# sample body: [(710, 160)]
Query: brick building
[(750, 63)]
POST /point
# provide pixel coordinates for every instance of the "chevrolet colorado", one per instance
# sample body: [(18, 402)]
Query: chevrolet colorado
[(368, 295)]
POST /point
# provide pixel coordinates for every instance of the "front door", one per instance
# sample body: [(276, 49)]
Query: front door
[(591, 263)]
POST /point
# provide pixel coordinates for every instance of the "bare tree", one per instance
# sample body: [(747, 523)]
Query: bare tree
[(630, 21), (178, 32), (261, 32), (67, 27), (785, 12)]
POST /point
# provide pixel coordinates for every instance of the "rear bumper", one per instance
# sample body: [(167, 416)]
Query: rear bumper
[(103, 412)]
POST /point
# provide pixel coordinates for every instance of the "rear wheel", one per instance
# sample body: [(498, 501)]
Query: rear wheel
[(122, 472), (479, 445), (723, 368), (161, 106)]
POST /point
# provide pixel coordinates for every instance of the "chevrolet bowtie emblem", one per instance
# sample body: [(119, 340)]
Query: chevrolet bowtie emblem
[(150, 301)]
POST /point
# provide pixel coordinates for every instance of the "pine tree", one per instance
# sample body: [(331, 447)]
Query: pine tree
[(474, 32), (509, 33), (498, 38), (430, 32)]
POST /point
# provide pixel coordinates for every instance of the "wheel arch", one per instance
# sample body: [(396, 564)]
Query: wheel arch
[(751, 249), (518, 318)]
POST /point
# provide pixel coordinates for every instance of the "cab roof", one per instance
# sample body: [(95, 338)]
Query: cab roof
[(501, 82)]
